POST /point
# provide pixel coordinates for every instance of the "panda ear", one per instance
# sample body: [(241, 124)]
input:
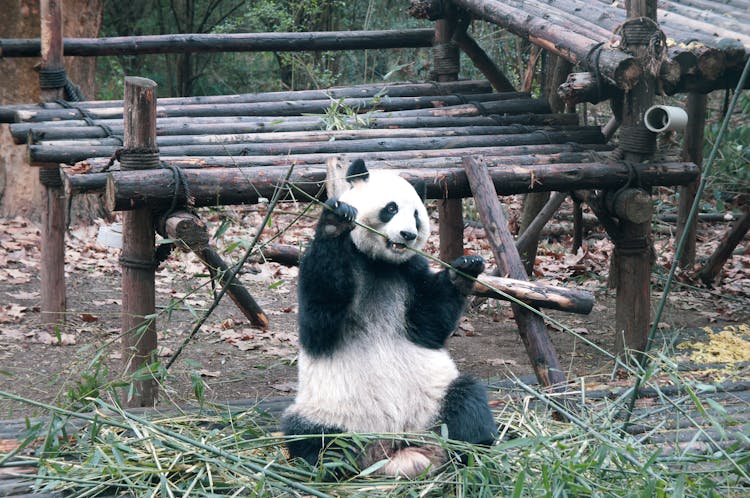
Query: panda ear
[(357, 171)]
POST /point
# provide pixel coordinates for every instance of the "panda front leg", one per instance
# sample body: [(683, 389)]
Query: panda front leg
[(439, 298), (326, 280)]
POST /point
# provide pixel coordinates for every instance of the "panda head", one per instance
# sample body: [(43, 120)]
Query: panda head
[(390, 205)]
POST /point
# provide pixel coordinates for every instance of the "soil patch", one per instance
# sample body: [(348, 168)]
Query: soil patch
[(229, 360)]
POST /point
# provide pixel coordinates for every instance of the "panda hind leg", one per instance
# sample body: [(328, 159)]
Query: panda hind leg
[(307, 448), (466, 412)]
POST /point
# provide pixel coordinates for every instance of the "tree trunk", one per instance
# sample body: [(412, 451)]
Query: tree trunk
[(20, 191)]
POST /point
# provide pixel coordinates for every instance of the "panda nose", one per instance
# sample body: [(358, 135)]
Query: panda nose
[(408, 236)]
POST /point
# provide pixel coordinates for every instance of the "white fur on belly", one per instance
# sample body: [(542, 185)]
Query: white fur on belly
[(382, 384)]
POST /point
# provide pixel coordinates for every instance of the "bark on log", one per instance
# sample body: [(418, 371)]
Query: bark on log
[(313, 136), (722, 253), (289, 108), (531, 326), (52, 267), (537, 294), (75, 129), (79, 180), (225, 186), (463, 87), (229, 42), (191, 231), (583, 87), (138, 339), (618, 68), (531, 234), (40, 154), (692, 150)]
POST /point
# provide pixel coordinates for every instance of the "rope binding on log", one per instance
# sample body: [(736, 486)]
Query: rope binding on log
[(88, 118), (139, 264), (446, 58), (50, 177), (135, 158), (51, 79)]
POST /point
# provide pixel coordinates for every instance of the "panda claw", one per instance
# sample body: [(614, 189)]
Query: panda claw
[(469, 265)]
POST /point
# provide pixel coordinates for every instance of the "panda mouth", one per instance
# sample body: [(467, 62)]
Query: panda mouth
[(396, 246)]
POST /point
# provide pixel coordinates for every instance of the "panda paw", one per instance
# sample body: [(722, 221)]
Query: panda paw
[(337, 217), (469, 265)]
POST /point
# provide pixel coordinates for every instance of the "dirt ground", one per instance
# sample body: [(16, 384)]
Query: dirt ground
[(237, 362)]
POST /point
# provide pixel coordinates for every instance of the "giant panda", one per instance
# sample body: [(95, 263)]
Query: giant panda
[(373, 322)]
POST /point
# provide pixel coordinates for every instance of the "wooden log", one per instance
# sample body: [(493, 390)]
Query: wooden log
[(537, 294), (225, 186), (583, 87), (531, 326), (724, 251), (227, 42), (285, 108), (399, 89), (68, 130), (618, 68), (692, 150), (517, 154), (481, 60), (312, 136), (79, 180), (52, 264), (189, 230), (40, 154), (530, 236), (88, 177), (633, 246), (137, 260)]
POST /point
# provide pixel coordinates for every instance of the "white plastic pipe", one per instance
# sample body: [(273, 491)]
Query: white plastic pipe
[(660, 118)]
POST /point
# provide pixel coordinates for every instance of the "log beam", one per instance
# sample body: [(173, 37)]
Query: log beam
[(137, 260), (52, 265), (531, 326), (190, 231), (126, 190)]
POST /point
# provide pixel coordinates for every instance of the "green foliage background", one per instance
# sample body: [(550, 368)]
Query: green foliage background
[(229, 73)]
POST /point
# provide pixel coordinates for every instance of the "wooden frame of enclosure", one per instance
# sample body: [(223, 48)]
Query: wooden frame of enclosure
[(533, 165)]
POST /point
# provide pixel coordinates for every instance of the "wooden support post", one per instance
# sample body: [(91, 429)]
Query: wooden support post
[(531, 326), (446, 59), (137, 260), (191, 232), (633, 246), (692, 151), (51, 82)]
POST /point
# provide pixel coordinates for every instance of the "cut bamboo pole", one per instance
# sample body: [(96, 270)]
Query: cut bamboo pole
[(531, 326), (52, 265), (137, 260)]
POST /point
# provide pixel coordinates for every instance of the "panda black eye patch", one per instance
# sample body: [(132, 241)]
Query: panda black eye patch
[(388, 212), (416, 217)]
